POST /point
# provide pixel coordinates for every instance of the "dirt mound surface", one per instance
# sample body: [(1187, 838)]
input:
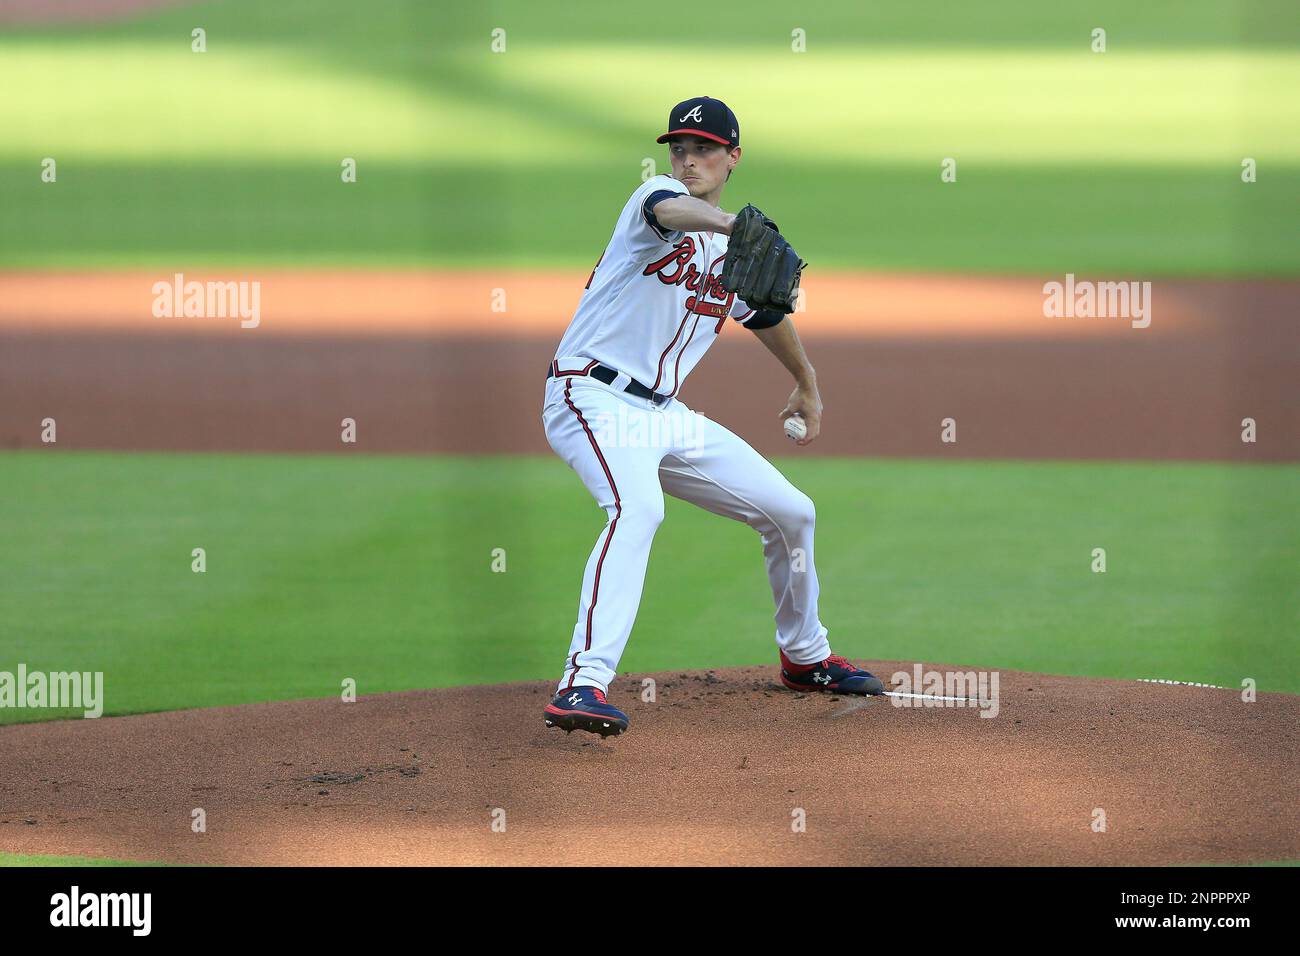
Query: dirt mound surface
[(719, 768)]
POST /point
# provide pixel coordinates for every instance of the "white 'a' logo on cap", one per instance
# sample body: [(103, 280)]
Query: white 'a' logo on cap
[(694, 114)]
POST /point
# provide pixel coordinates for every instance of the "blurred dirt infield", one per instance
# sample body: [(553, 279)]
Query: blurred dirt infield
[(711, 772), (77, 11), (423, 364)]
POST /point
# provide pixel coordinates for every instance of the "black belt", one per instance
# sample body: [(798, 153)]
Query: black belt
[(607, 375)]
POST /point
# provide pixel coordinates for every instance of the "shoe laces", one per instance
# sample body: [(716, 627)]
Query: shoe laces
[(600, 695), (844, 662)]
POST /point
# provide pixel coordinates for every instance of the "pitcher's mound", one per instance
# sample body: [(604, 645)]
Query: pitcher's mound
[(724, 767)]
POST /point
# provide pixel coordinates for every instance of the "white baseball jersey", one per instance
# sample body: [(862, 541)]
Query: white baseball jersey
[(654, 303), (650, 311)]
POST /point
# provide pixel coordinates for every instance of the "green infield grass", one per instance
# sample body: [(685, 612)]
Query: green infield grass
[(380, 569), (29, 859)]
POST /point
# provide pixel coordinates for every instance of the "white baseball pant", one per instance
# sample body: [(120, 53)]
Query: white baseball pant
[(628, 451)]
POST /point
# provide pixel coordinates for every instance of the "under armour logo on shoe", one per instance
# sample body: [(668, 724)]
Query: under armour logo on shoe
[(694, 114), (574, 698), (822, 678)]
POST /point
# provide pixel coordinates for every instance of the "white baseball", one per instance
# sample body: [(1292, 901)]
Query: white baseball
[(795, 428)]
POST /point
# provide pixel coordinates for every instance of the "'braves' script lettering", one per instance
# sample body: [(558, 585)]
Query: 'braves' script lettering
[(676, 268), (682, 254)]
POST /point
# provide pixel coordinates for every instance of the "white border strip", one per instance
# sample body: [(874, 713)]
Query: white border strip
[(1180, 683), (895, 693)]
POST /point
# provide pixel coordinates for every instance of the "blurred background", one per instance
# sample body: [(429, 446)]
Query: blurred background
[(494, 145), (1125, 161)]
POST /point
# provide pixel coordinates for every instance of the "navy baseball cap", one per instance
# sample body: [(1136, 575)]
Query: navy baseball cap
[(703, 116)]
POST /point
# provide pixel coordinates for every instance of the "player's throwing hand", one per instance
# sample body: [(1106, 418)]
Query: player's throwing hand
[(807, 404)]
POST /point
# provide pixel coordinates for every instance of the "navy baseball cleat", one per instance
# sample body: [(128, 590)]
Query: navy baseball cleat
[(835, 674), (585, 708)]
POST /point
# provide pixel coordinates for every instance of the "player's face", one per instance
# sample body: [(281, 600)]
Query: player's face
[(701, 164)]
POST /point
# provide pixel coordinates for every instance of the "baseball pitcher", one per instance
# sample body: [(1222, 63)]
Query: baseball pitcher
[(661, 292)]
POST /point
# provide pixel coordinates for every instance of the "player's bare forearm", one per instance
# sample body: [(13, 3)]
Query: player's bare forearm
[(783, 341), (692, 215)]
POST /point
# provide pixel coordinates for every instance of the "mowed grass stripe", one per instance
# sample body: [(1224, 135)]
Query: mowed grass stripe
[(118, 100), (1111, 221)]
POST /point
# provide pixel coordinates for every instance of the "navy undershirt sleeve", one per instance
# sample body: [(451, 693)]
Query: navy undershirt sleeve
[(647, 210), (764, 319)]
